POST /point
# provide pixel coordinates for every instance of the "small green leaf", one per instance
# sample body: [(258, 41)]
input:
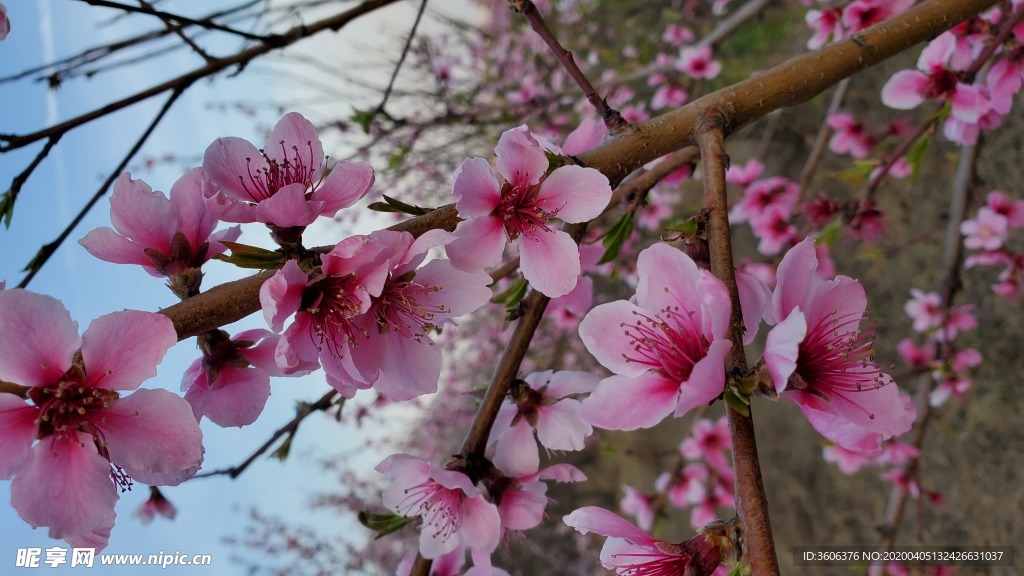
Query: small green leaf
[(396, 205), (512, 295), (737, 403), (740, 570), (555, 161), (916, 155), (616, 237), (383, 524), (858, 174), (829, 235), (7, 207), (382, 207), (283, 450), (364, 118), (245, 256), (396, 160)]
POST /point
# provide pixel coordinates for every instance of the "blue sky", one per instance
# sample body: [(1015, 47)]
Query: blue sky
[(209, 509)]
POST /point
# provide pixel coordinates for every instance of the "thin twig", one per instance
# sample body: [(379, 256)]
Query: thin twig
[(751, 501), (401, 59), (174, 27), (240, 59), (301, 412), (11, 196), (821, 140), (48, 250), (612, 119), (165, 15), (951, 264)]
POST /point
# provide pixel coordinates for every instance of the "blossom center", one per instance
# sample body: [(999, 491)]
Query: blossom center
[(441, 508), (263, 182), (835, 360), (670, 343), (331, 302), (666, 560), (522, 212), (68, 407), (404, 307)]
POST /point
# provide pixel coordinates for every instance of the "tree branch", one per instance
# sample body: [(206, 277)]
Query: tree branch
[(751, 502), (146, 9)]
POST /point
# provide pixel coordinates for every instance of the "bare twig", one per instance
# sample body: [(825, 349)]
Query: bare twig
[(401, 59), (612, 119), (47, 250), (751, 502), (175, 27), (11, 196), (951, 264), (821, 140), (145, 9), (303, 410)]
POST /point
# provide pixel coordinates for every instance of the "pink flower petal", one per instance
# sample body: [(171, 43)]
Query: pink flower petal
[(237, 398), (17, 432), (904, 90), (550, 263), (481, 525), (293, 136), (66, 486), (566, 382), (589, 134), (153, 435), (598, 520), (109, 246), (603, 334), (754, 299), (38, 339), (667, 278), (187, 198), (228, 235), (969, 103), (281, 295), (229, 162), (98, 538), (707, 380), (411, 369), (516, 452), (475, 188), (782, 348), (578, 194), (838, 430), (560, 426), (795, 282), (559, 473), (523, 509), (228, 209), (520, 157), (141, 214), (460, 292), (936, 53), (625, 403), (122, 350), (288, 207), (347, 183), (478, 244)]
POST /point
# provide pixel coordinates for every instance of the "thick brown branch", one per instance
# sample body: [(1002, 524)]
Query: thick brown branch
[(751, 502)]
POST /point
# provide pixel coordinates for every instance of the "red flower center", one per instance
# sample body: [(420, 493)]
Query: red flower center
[(671, 343), (262, 183), (522, 212)]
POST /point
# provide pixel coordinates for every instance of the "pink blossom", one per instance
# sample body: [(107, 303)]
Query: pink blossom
[(230, 383), (285, 184), (868, 225), (925, 309), (848, 461), (908, 88), (709, 441), (897, 453), (705, 510), (684, 487), (453, 510), (91, 440), (522, 499), (631, 552), (744, 174), (156, 504), (986, 231), (851, 136), (950, 388), (669, 348), (916, 357), (774, 230), (325, 304), (546, 403), (448, 564), (861, 14), (5, 23), (165, 237), (820, 211), (1012, 210), (521, 209), (669, 95), (957, 319), (825, 24), (639, 506), (567, 311), (675, 35), (819, 358), (760, 196), (1004, 81), (395, 351), (697, 62)]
